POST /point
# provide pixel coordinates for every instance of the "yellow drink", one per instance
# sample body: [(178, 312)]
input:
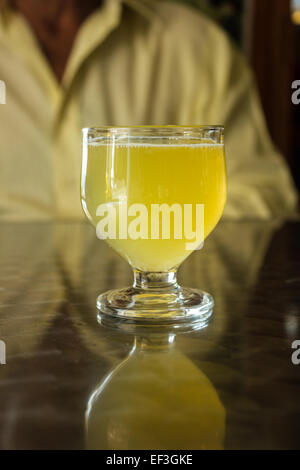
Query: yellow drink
[(156, 400), (140, 173)]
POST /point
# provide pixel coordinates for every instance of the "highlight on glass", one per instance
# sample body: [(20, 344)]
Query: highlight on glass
[(154, 194)]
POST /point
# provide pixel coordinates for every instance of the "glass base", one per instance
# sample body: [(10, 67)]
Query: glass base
[(168, 307)]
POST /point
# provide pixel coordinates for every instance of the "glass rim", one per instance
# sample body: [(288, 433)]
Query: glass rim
[(117, 129)]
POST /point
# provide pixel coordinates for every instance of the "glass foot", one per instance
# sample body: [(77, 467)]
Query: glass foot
[(167, 308)]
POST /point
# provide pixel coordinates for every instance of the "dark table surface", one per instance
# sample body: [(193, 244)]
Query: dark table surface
[(232, 385)]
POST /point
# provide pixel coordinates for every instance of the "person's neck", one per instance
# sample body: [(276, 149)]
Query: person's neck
[(56, 24)]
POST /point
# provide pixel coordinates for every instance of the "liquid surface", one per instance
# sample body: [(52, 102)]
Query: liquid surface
[(149, 174)]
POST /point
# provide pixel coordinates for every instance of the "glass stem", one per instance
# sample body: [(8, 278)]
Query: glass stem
[(154, 342), (162, 281)]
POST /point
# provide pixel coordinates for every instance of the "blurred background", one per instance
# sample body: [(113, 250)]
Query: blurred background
[(102, 74), (268, 32)]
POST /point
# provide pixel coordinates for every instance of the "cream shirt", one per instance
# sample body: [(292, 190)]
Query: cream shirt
[(133, 63)]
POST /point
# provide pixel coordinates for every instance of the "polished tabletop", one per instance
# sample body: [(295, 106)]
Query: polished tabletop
[(70, 383)]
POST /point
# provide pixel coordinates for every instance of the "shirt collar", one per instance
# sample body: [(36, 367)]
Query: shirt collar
[(91, 34)]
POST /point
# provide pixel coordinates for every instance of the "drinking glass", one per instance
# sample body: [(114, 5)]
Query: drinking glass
[(154, 194)]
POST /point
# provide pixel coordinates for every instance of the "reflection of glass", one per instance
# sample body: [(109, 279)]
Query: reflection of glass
[(154, 182), (155, 399)]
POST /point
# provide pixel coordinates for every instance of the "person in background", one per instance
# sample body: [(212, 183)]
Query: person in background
[(69, 64)]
